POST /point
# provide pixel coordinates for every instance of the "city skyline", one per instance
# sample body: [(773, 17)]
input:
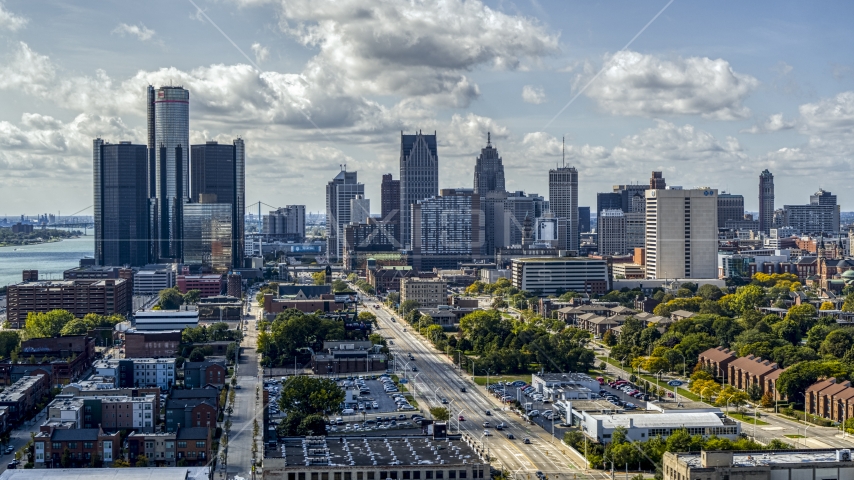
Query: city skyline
[(734, 105)]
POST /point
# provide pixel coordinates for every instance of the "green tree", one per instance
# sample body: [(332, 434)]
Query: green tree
[(439, 413), (339, 286), (319, 278), (302, 396), (352, 277), (748, 297), (312, 425), (794, 381), (710, 292), (837, 343), (803, 315), (848, 305), (48, 324), (197, 355), (170, 299), (408, 306), (192, 297), (609, 339), (74, 327), (9, 341), (141, 461), (367, 317), (121, 463)]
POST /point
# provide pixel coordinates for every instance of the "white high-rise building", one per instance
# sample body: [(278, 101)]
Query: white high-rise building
[(612, 232), (681, 233)]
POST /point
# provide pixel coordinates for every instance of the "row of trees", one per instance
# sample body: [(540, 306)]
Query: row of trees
[(63, 323), (293, 333), (172, 298), (622, 452), (217, 332)]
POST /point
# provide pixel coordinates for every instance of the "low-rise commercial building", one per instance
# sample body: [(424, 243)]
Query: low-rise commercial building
[(551, 275), (151, 344), (151, 279), (326, 303), (643, 426), (376, 458), (80, 297), (819, 464), (341, 357), (208, 285), (428, 292)]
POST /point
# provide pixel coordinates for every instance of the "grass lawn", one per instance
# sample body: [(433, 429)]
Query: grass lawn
[(651, 379), (746, 418), (481, 380), (793, 436)]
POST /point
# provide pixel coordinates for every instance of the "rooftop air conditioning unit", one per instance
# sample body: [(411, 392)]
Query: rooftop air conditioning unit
[(843, 455)]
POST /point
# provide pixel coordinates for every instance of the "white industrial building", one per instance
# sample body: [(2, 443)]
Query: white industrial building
[(151, 279), (565, 386), (641, 427)]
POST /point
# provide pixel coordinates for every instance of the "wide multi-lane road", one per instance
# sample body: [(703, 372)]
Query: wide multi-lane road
[(437, 378)]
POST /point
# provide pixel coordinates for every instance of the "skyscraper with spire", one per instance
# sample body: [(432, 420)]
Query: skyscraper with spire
[(419, 177), (489, 185), (563, 201)]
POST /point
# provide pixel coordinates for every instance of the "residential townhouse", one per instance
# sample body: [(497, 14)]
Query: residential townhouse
[(189, 446), (139, 372), (192, 412), (22, 396), (716, 361), (199, 374), (75, 447)]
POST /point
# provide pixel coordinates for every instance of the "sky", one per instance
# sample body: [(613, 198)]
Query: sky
[(710, 93)]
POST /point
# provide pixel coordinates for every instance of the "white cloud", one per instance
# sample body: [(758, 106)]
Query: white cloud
[(774, 123), (645, 85), (261, 53), (532, 94), (829, 146), (11, 21), (140, 31), (413, 48)]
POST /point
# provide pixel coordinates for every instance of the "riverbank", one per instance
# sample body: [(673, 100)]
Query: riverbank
[(49, 258), (36, 237), (34, 242)]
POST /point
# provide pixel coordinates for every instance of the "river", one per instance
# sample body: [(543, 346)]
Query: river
[(50, 259)]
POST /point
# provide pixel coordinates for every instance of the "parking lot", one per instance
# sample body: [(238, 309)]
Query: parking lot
[(375, 399)]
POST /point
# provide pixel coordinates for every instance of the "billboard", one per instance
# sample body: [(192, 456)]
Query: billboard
[(546, 229)]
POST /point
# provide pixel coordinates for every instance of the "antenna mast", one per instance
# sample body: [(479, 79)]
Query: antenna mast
[(563, 152)]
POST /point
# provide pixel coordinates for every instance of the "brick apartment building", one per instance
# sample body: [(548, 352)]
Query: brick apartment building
[(22, 396), (326, 303), (75, 447), (199, 374), (209, 285), (716, 361), (192, 408), (831, 399), (157, 344), (192, 445), (80, 297)]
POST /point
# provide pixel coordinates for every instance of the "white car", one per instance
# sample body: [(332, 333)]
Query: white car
[(348, 411)]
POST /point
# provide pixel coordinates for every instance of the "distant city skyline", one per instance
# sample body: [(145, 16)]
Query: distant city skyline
[(775, 92)]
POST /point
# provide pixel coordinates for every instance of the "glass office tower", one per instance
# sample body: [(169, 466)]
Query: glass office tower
[(172, 163), (207, 235)]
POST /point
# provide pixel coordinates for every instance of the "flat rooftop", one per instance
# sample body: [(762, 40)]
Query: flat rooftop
[(148, 473), (557, 259), (351, 451), (663, 420), (765, 457)]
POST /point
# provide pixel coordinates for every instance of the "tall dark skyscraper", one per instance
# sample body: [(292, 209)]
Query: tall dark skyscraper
[(489, 184), (172, 162), (390, 200), (563, 201), (488, 170), (152, 154), (121, 203), (219, 170), (419, 176), (766, 201)]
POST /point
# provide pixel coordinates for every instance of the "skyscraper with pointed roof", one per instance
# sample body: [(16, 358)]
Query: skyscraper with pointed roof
[(419, 177), (489, 184)]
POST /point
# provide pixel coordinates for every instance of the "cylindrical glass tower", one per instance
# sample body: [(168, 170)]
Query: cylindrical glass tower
[(172, 146)]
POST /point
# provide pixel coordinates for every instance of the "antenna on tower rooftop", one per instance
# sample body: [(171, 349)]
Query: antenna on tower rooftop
[(563, 152)]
